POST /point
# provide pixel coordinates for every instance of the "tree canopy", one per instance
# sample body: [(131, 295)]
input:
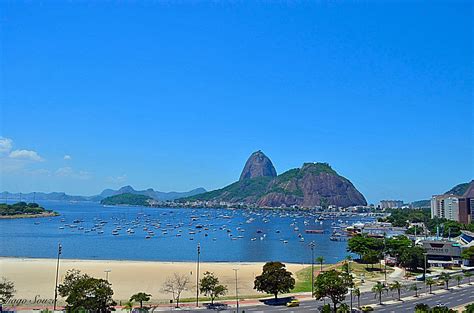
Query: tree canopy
[(209, 286), (84, 292), (7, 290), (140, 297), (274, 279), (334, 285)]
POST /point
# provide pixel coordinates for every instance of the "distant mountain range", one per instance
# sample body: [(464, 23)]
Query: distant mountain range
[(157, 195), (314, 184)]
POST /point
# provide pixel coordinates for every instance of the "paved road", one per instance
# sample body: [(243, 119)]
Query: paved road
[(456, 296)]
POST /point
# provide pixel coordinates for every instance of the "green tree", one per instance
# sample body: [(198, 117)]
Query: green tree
[(320, 260), (412, 258), (468, 275), (395, 245), (446, 277), (332, 284), (398, 287), (458, 279), (140, 297), (468, 254), (274, 279), (7, 290), (422, 308), (430, 282), (209, 286), (415, 288), (378, 289), (371, 257), (362, 244), (84, 292), (343, 308), (469, 308)]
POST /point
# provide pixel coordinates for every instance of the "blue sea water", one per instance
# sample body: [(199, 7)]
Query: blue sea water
[(172, 240)]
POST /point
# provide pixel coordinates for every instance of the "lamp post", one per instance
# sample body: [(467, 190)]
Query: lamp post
[(107, 271), (60, 248), (351, 289), (424, 273), (197, 276), (312, 244), (236, 289)]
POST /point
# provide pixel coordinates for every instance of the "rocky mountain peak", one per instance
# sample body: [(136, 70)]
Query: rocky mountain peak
[(258, 165)]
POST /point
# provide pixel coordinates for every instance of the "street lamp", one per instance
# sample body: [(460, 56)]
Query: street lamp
[(107, 271), (197, 276), (60, 248), (424, 273), (312, 244), (351, 289), (236, 289)]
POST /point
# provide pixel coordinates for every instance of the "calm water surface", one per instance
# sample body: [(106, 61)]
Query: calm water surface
[(257, 235)]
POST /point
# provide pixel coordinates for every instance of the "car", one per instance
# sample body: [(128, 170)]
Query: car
[(440, 304), (367, 308), (293, 303), (217, 306)]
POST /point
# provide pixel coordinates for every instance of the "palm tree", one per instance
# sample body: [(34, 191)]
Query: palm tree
[(398, 287), (348, 262), (357, 294), (415, 288), (458, 279), (468, 275), (446, 278), (128, 306), (140, 297), (378, 288), (430, 282), (320, 260)]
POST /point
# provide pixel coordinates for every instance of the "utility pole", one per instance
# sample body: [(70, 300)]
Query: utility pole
[(236, 289), (312, 244), (424, 274), (60, 248), (197, 276)]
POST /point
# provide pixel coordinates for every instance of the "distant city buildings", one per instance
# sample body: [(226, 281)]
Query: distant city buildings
[(391, 204), (455, 208)]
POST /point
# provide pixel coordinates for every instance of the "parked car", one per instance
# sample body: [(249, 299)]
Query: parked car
[(367, 308)]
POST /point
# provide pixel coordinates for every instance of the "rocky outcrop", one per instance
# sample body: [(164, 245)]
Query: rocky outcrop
[(258, 165), (314, 184)]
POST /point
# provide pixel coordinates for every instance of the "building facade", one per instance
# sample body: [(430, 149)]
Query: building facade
[(391, 204)]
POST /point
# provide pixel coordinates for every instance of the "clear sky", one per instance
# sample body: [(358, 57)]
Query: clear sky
[(176, 96)]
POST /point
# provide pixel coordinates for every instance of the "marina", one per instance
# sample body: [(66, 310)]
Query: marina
[(88, 230)]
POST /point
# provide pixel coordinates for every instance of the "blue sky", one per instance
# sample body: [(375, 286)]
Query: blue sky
[(176, 96)]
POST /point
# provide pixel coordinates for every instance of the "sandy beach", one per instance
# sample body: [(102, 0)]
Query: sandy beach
[(35, 277)]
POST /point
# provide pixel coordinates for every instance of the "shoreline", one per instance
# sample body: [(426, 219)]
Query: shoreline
[(19, 216), (35, 277)]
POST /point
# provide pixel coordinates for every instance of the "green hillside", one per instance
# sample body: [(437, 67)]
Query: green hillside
[(127, 199), (458, 190)]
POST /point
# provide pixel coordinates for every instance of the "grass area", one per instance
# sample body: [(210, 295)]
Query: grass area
[(303, 277)]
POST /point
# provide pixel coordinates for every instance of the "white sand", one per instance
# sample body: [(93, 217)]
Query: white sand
[(35, 277)]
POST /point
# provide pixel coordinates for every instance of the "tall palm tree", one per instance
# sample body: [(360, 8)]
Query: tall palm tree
[(446, 278), (320, 260), (378, 288), (430, 282), (348, 262), (468, 275), (357, 294), (458, 279), (415, 288), (398, 287)]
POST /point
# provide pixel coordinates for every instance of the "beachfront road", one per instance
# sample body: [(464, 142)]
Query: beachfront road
[(454, 297)]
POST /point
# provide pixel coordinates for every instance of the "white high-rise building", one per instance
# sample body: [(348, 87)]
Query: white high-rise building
[(445, 206)]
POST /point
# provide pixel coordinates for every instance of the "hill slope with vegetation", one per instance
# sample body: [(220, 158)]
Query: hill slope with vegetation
[(127, 199)]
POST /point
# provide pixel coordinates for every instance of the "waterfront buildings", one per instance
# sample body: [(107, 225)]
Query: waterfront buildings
[(453, 207), (391, 204)]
